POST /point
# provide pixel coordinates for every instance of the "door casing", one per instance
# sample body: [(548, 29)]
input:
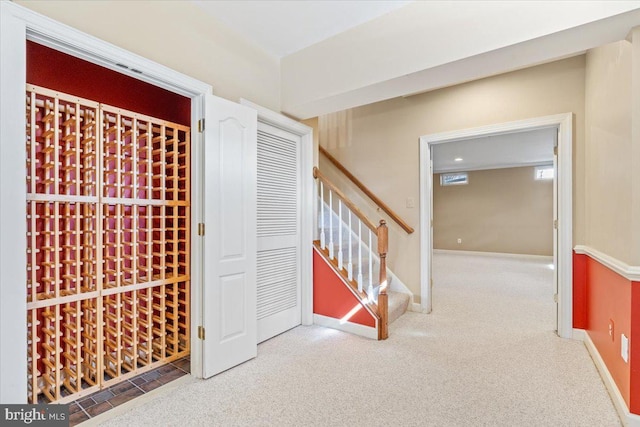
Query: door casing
[(564, 204)]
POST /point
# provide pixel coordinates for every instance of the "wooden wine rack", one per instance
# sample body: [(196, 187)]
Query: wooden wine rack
[(108, 244)]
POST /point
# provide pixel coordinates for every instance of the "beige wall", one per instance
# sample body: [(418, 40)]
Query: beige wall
[(500, 210), (634, 36), (179, 35), (609, 161), (382, 144)]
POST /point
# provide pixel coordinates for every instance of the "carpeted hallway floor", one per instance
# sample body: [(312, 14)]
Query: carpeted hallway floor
[(486, 356)]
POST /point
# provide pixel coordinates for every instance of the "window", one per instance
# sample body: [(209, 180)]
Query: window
[(544, 172), (459, 178)]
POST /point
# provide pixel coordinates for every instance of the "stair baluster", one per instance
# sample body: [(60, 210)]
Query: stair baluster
[(370, 288), (323, 243), (350, 264), (359, 255), (339, 234), (331, 254)]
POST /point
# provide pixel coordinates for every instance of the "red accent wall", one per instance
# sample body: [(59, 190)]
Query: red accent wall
[(579, 291), (601, 295), (331, 297), (55, 70)]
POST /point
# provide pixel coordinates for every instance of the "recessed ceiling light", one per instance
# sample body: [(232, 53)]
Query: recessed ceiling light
[(457, 159)]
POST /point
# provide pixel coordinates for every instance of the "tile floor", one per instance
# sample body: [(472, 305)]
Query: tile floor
[(103, 400)]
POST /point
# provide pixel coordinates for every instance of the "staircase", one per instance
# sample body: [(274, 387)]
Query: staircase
[(398, 304), (357, 247)]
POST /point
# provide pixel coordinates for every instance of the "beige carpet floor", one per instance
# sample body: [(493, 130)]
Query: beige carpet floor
[(486, 356)]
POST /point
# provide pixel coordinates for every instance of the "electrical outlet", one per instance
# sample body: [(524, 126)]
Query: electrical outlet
[(611, 329), (459, 241), (624, 347), (411, 202)]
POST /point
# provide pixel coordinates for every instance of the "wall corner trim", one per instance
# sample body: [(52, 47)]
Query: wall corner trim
[(627, 418), (629, 272)]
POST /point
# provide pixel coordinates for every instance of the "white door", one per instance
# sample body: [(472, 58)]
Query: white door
[(278, 228), (229, 257)]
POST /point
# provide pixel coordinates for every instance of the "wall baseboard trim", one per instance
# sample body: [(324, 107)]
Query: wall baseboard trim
[(548, 258), (352, 328), (628, 419), (629, 272), (416, 307)]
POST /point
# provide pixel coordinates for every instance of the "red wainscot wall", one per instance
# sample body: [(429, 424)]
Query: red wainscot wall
[(602, 298), (332, 298)]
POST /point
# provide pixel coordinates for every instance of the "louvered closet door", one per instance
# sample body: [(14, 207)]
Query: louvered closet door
[(278, 270)]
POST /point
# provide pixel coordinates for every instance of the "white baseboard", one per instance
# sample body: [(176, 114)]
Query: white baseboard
[(415, 307), (352, 328), (548, 258), (628, 419)]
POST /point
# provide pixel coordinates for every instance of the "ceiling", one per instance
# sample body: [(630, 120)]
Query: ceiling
[(494, 152), (284, 27)]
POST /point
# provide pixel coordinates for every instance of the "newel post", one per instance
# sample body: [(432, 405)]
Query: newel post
[(383, 299)]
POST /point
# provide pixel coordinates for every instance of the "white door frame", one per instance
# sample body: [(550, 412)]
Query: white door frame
[(307, 200), (17, 25), (564, 123)]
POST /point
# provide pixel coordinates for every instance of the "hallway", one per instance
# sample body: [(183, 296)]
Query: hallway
[(487, 355)]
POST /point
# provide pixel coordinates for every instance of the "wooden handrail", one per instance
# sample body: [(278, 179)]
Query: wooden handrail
[(366, 221), (394, 216)]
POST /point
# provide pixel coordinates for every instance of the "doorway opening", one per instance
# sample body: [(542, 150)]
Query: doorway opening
[(103, 240), (562, 222), (108, 244), (493, 226)]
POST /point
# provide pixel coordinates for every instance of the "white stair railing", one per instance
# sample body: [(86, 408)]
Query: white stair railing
[(341, 231)]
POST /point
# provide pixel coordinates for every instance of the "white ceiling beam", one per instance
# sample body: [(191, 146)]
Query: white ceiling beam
[(360, 66)]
